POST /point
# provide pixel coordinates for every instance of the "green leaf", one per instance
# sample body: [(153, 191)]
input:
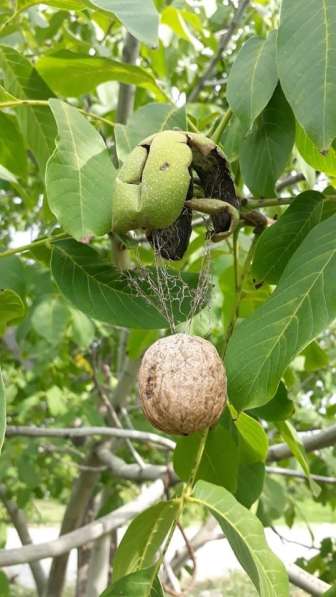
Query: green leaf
[(142, 22), (291, 438), (272, 503), (36, 123), (143, 539), (253, 78), (306, 63), (315, 357), (220, 460), (322, 162), (62, 4), (232, 138), (12, 151), (11, 308), (278, 409), (73, 74), (12, 274), (82, 329), (79, 175), (254, 435), (246, 536), (301, 307), (7, 175), (104, 293), (5, 96), (151, 118), (253, 446), (266, 149), (173, 18), (50, 319), (142, 583), (2, 411), (277, 243)]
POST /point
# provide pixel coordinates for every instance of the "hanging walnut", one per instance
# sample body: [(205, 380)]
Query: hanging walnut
[(182, 383)]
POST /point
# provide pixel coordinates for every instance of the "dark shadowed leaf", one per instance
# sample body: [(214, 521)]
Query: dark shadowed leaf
[(245, 534), (142, 22), (266, 149), (306, 63), (79, 175), (143, 538), (253, 78), (220, 460), (277, 243), (277, 409), (104, 293), (302, 306)]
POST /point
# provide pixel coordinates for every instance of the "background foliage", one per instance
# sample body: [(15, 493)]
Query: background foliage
[(81, 83)]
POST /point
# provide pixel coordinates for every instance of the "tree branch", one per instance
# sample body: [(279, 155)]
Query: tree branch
[(127, 92), (19, 522), (286, 472), (85, 534), (289, 181), (72, 432), (223, 44), (73, 517), (311, 441), (133, 472), (300, 578)]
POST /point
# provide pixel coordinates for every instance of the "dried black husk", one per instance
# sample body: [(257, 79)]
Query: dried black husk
[(171, 243), (216, 182)]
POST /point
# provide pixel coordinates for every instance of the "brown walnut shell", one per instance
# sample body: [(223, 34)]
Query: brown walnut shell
[(182, 383)]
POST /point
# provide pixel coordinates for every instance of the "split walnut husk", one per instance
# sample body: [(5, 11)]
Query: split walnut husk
[(157, 179)]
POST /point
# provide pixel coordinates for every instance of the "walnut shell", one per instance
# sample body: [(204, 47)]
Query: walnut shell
[(182, 383)]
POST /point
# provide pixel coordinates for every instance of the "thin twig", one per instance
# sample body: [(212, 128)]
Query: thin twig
[(223, 44)]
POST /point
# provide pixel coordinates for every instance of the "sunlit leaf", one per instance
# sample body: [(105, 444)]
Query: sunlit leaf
[(143, 583), (36, 123), (72, 74), (142, 22), (143, 538), (11, 308), (79, 175), (246, 536)]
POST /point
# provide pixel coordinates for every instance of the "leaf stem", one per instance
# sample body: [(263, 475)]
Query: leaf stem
[(220, 128), (45, 104), (275, 201), (239, 283), (32, 245)]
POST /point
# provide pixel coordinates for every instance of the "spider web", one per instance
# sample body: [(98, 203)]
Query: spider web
[(167, 290)]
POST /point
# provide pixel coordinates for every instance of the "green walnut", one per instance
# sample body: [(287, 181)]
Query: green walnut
[(157, 179)]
